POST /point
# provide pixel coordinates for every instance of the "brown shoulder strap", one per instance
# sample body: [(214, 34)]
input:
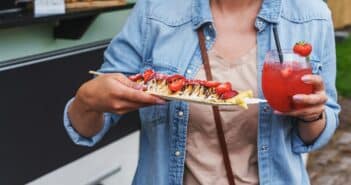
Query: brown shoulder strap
[(216, 115)]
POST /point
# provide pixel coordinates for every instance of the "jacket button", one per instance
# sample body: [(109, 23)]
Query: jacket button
[(180, 113), (188, 71), (177, 153), (259, 23), (264, 148)]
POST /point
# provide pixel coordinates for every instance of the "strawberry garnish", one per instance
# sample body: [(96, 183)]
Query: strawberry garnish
[(222, 88), (160, 76), (176, 82), (148, 75), (286, 72), (303, 48), (211, 84), (229, 94)]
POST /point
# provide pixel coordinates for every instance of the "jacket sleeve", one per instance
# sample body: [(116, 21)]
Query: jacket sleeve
[(123, 55), (328, 73)]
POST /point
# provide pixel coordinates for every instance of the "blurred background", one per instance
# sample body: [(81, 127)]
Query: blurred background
[(45, 56)]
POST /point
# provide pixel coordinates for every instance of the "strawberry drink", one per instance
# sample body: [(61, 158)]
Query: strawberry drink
[(281, 81)]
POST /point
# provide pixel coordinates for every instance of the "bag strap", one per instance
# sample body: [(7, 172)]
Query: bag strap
[(216, 115)]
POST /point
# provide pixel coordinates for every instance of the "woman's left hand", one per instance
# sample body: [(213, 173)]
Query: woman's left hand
[(316, 101)]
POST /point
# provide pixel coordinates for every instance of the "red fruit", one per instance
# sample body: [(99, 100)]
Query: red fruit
[(136, 77), (211, 84), (229, 94), (160, 76), (286, 72), (202, 82), (176, 82), (192, 82), (224, 87), (148, 75), (303, 48)]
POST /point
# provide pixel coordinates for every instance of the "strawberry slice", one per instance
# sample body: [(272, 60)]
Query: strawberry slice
[(148, 75), (160, 76), (176, 82), (192, 82), (136, 77), (229, 94), (222, 88), (286, 72), (211, 84)]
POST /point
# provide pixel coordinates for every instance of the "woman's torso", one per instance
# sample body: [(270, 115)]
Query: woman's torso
[(165, 38)]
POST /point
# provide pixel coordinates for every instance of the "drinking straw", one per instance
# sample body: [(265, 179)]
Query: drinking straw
[(277, 43)]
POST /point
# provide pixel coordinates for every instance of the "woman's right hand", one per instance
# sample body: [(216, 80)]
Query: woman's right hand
[(114, 93)]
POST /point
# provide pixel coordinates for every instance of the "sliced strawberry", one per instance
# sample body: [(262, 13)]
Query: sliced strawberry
[(160, 76), (211, 84), (222, 88), (286, 72), (136, 77), (202, 82), (192, 82), (229, 94), (148, 75), (176, 82)]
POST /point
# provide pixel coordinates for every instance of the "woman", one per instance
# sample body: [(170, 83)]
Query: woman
[(178, 140)]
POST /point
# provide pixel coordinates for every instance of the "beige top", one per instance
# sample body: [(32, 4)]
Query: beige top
[(204, 164)]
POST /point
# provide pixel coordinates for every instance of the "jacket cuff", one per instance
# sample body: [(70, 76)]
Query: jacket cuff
[(331, 124), (79, 139)]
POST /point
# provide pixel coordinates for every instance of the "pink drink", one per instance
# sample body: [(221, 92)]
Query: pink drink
[(282, 81)]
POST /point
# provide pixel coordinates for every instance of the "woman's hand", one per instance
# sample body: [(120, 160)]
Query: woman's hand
[(315, 102), (113, 93), (311, 113)]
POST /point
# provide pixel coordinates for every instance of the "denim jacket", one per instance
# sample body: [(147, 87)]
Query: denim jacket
[(162, 35)]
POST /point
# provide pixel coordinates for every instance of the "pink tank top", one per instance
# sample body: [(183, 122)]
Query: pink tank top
[(204, 164)]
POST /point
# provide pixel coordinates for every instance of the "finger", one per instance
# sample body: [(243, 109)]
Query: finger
[(310, 117), (312, 99), (315, 80), (137, 96), (125, 81), (303, 112), (127, 106)]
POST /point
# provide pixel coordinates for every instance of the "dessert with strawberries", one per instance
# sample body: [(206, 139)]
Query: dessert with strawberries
[(177, 87)]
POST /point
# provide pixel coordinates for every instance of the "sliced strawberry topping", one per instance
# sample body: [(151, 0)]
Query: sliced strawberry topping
[(229, 94), (160, 76), (222, 88), (211, 84), (148, 75), (176, 82), (192, 82)]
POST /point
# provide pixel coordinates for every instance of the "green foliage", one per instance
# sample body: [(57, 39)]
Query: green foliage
[(343, 79)]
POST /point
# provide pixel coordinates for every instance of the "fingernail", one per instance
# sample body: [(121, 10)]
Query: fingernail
[(160, 101), (277, 112), (306, 78), (297, 97), (138, 87)]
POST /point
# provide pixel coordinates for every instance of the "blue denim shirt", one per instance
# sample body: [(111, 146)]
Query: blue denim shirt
[(161, 35)]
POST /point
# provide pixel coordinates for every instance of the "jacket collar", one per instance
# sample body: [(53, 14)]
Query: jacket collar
[(201, 12)]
